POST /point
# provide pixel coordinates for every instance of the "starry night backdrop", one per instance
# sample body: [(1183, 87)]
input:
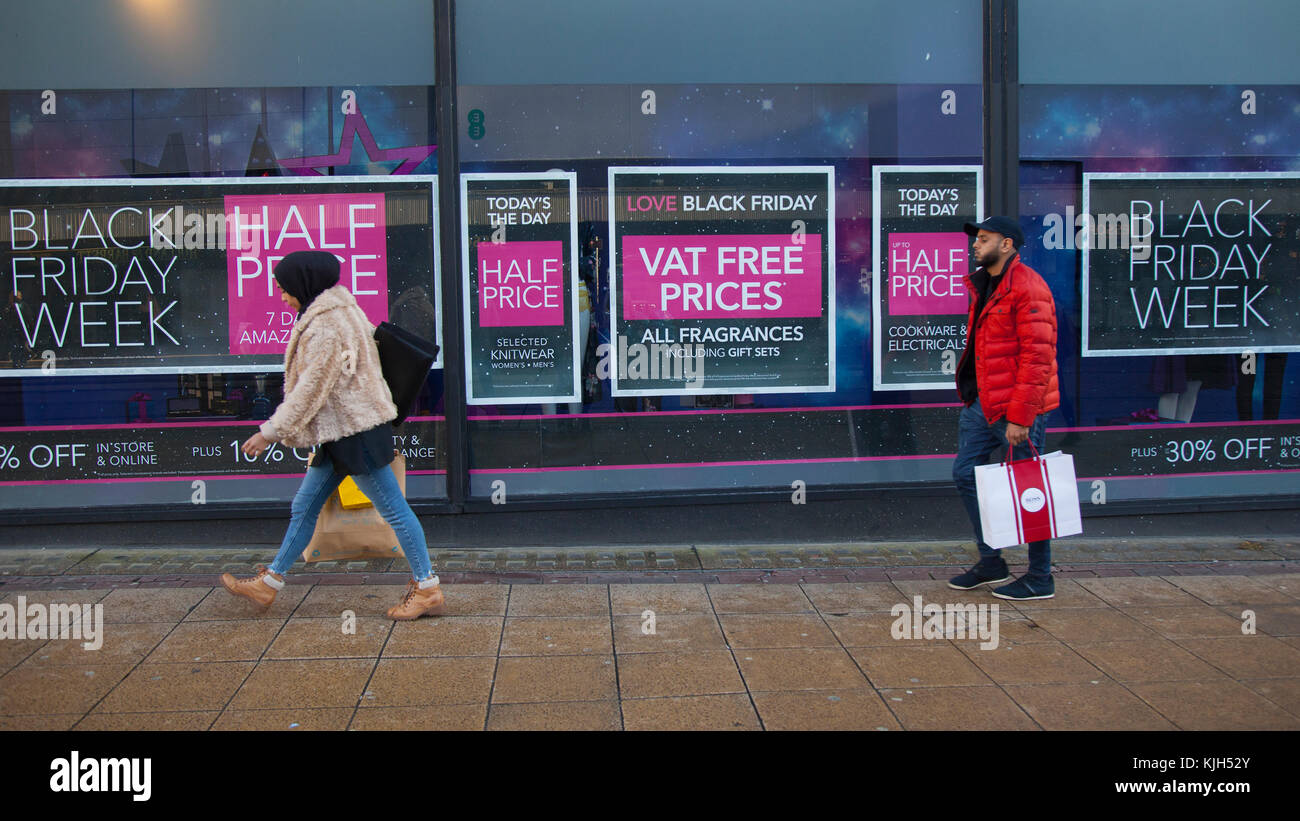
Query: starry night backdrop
[(197, 132), (1067, 130), (1064, 131)]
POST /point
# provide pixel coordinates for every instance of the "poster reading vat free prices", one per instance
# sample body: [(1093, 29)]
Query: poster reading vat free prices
[(520, 272), (722, 280), (922, 259), (176, 275), (1191, 263)]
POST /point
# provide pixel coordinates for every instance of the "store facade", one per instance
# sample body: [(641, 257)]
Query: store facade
[(695, 251)]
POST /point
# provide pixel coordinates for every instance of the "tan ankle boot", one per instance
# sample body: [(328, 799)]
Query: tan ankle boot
[(416, 602), (260, 588)]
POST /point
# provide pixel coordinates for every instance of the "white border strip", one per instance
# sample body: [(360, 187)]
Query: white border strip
[(1084, 299), (466, 296), (435, 283), (876, 340), (615, 310)]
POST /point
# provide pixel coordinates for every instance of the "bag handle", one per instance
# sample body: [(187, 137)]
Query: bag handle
[(1011, 448)]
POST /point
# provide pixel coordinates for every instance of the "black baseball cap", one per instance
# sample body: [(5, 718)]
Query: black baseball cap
[(1005, 226)]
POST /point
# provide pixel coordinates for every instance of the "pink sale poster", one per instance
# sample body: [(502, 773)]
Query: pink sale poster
[(263, 229)]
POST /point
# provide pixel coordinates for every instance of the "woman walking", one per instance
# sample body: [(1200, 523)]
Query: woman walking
[(335, 397)]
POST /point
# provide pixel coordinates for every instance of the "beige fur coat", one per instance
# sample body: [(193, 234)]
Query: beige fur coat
[(333, 385)]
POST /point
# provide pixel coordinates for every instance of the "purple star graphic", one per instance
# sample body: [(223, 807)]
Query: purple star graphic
[(354, 125)]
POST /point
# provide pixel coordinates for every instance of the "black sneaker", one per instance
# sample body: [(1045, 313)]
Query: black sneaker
[(980, 574), (1022, 590)]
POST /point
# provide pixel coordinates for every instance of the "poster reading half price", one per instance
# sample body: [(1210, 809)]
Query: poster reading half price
[(922, 259), (520, 297)]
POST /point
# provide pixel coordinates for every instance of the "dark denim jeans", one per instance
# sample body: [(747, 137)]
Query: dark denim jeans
[(980, 443)]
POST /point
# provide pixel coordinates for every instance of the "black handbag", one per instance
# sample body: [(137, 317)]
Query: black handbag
[(405, 359)]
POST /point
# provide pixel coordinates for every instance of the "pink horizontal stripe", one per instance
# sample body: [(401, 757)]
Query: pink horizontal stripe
[(1179, 475), (716, 464), (153, 425), (130, 426), (125, 479), (702, 411), (1179, 425)]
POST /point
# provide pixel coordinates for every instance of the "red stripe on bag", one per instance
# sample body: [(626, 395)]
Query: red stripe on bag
[(1037, 523), (1015, 502), (1051, 500)]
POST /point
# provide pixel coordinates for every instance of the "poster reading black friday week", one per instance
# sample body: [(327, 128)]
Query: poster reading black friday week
[(520, 271), (722, 280), (922, 259), (175, 275), (1191, 263)]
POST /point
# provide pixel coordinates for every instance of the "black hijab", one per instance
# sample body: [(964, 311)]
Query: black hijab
[(305, 275)]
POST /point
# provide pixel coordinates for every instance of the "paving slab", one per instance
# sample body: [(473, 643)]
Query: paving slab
[(654, 675), (717, 712), (550, 715), (1247, 656), (1146, 659), (157, 687), (170, 720), (858, 709), (1214, 705), (555, 678), (445, 636), (810, 668), (568, 636), (336, 718), (298, 683), (330, 638), (31, 689), (667, 634), (118, 644), (413, 682), (1104, 705), (244, 640), (956, 708), (754, 630), (425, 718), (559, 600), (661, 599), (919, 664)]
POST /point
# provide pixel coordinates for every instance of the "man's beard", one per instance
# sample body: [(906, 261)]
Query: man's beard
[(990, 257)]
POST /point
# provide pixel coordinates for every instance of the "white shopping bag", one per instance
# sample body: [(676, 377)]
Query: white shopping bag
[(1028, 500)]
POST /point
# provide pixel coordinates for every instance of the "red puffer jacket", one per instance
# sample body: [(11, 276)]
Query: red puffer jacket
[(1014, 345)]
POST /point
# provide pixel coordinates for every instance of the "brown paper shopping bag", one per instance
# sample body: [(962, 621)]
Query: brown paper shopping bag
[(354, 534)]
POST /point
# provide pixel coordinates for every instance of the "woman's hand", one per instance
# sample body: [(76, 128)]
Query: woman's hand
[(255, 444)]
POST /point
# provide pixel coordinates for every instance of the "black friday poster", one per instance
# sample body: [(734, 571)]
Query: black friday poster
[(1190, 263), (519, 265), (175, 275), (722, 280)]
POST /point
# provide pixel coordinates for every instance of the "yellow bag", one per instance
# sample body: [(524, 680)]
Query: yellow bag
[(351, 497)]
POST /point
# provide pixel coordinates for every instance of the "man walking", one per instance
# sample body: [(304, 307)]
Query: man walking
[(1007, 380)]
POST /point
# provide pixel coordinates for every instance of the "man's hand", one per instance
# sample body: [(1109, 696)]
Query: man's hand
[(1016, 434), (257, 443)]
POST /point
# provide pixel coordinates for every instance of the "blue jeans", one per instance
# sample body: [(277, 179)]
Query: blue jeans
[(980, 443), (380, 486)]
